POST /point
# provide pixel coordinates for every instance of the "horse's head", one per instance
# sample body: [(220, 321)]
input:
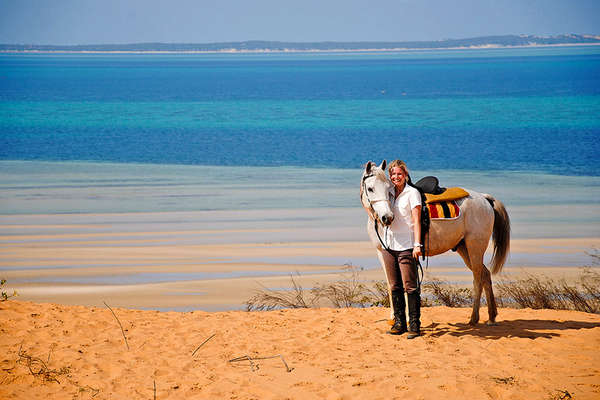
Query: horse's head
[(375, 192)]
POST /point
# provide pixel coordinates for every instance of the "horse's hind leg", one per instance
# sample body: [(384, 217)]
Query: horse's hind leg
[(489, 296), (474, 260)]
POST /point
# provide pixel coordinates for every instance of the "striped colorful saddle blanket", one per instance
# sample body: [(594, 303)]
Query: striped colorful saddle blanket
[(444, 205), (443, 209)]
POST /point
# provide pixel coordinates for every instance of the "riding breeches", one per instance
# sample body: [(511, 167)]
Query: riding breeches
[(402, 274)]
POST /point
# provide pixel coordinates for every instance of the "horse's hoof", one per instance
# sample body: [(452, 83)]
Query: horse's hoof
[(473, 322), (491, 323)]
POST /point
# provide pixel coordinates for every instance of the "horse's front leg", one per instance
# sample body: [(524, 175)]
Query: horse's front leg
[(387, 261)]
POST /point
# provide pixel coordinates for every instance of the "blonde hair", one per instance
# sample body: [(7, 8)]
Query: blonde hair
[(398, 164)]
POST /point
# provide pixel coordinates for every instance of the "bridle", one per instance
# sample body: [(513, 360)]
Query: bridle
[(366, 192), (372, 209)]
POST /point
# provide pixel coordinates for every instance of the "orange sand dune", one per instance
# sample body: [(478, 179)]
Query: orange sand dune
[(332, 353)]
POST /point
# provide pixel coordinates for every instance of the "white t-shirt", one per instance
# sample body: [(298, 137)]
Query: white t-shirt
[(400, 234)]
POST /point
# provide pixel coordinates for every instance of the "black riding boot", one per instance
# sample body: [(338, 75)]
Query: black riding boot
[(399, 305), (414, 314)]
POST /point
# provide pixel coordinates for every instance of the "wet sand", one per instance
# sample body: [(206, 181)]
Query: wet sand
[(73, 263)]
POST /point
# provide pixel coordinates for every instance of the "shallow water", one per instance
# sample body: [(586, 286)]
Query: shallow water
[(269, 199), (78, 204)]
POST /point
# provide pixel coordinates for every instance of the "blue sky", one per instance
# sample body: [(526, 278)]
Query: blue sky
[(201, 21)]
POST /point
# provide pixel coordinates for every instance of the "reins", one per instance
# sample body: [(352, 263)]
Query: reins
[(381, 240)]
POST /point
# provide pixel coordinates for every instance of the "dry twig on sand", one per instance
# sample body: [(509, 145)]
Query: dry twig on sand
[(122, 330), (254, 366), (562, 395), (37, 367), (202, 344), (92, 390)]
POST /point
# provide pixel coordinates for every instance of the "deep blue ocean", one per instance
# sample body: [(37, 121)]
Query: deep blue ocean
[(533, 110)]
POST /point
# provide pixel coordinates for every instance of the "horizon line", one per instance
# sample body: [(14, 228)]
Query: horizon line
[(546, 37)]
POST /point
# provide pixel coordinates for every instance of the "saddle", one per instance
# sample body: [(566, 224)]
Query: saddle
[(434, 193), (430, 184)]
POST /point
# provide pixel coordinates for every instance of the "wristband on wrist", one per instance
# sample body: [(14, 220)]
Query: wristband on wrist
[(418, 244)]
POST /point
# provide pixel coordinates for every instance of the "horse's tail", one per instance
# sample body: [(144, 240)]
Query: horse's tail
[(500, 235)]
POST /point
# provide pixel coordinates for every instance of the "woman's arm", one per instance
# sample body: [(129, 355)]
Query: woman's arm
[(416, 219)]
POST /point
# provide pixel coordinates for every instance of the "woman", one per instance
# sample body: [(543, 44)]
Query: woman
[(403, 238)]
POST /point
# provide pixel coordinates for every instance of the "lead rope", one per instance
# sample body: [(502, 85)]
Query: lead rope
[(386, 248), (419, 280), (427, 258)]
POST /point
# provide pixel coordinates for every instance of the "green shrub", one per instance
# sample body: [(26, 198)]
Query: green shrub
[(4, 295)]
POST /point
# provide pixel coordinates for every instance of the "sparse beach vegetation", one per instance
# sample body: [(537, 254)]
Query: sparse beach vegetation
[(446, 294), (537, 292), (4, 295), (348, 291), (527, 291)]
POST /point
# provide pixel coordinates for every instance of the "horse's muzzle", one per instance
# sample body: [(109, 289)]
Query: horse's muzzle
[(387, 219)]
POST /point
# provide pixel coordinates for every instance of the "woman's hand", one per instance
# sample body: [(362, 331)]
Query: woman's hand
[(417, 252)]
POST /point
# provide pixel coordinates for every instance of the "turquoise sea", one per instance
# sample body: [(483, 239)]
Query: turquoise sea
[(529, 109)]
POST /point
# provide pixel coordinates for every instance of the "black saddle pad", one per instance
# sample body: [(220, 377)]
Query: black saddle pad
[(430, 184)]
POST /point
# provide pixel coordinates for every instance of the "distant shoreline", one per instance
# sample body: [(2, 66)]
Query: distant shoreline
[(284, 51)]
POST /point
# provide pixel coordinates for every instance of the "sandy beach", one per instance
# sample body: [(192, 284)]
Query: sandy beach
[(65, 352)]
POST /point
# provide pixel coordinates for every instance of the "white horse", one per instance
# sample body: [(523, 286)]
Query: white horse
[(481, 217)]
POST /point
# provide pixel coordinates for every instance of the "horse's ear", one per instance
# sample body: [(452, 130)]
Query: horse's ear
[(383, 165), (368, 167)]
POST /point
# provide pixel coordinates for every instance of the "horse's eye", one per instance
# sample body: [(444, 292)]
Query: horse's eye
[(370, 189)]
